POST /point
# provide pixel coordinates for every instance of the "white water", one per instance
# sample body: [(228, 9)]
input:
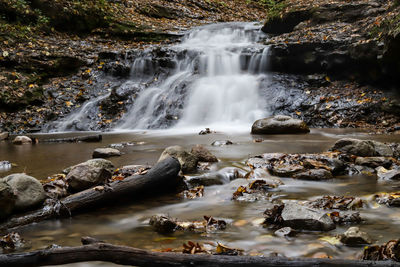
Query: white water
[(214, 83)]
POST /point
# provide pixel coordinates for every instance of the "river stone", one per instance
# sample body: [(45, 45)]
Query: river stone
[(83, 177), (279, 124), (106, 152), (373, 162), (353, 236), (362, 148), (314, 174), (203, 154), (29, 190), (95, 163), (286, 170), (304, 218), (187, 160), (3, 136), (208, 179), (7, 200), (222, 143), (385, 174), (22, 140)]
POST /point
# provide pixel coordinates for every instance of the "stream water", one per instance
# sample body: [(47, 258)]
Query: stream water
[(218, 83), (127, 223)]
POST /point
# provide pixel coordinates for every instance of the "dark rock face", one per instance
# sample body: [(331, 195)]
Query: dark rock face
[(279, 124)]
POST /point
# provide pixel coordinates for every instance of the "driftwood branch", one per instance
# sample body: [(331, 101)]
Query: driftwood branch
[(162, 177), (138, 257), (86, 138)]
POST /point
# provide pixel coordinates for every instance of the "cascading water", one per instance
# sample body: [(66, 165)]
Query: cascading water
[(211, 79), (220, 72)]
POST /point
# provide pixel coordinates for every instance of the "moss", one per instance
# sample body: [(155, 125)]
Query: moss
[(274, 8)]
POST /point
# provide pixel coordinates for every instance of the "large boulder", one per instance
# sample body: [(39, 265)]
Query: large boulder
[(28, 190), (187, 160), (303, 218), (279, 124), (7, 200), (362, 148), (106, 152), (89, 173), (22, 140), (203, 154)]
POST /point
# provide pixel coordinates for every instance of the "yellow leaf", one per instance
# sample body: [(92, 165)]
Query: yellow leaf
[(363, 94), (68, 103), (328, 79), (31, 85), (298, 113)]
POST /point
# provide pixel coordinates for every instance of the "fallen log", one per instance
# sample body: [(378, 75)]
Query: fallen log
[(162, 177), (124, 255), (86, 138)]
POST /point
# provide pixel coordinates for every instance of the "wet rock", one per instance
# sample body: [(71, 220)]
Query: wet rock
[(163, 224), (4, 135), (373, 162), (57, 187), (279, 124), (304, 218), (222, 143), (256, 190), (206, 131), (345, 218), (389, 199), (130, 170), (29, 190), (286, 170), (89, 173), (187, 160), (362, 148), (256, 163), (314, 174), (337, 202), (106, 153), (354, 236), (7, 200), (203, 154), (387, 251), (285, 232), (208, 179), (385, 174), (22, 140)]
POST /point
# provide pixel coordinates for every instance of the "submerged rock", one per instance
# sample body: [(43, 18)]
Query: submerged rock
[(187, 160), (286, 170), (106, 152), (203, 154), (362, 148), (208, 179), (22, 140), (354, 236), (279, 124), (28, 190), (89, 173)]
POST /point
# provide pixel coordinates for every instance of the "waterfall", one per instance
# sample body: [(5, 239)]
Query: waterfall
[(220, 73), (212, 79)]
